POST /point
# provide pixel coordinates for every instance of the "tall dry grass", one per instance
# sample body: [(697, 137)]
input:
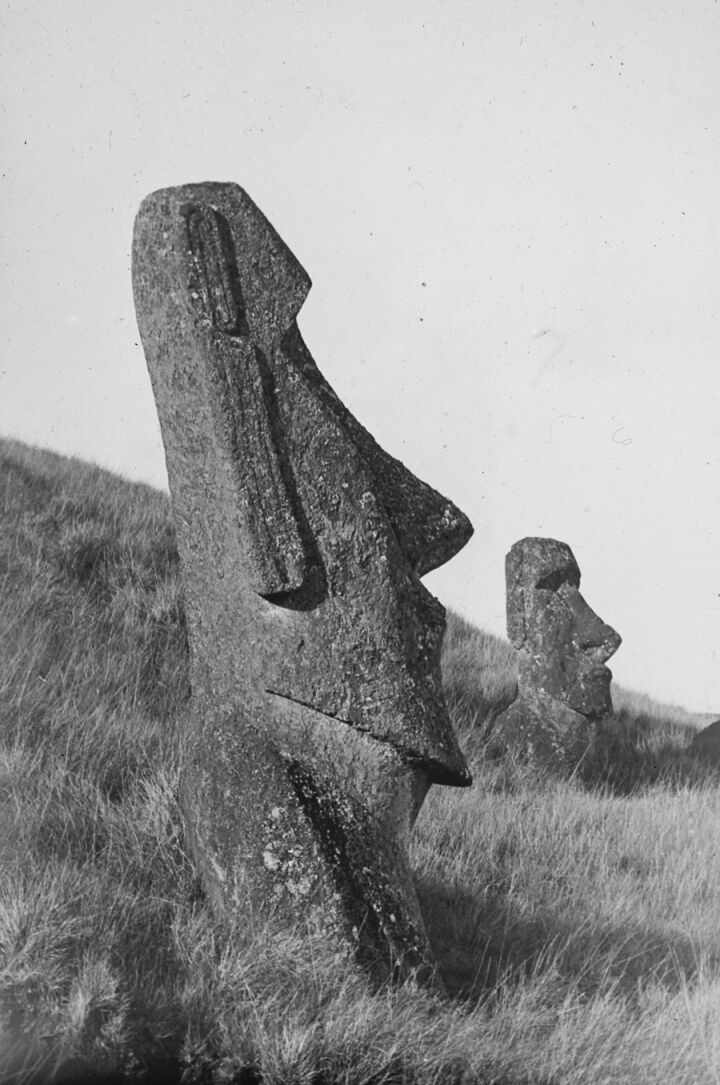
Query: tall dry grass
[(575, 922)]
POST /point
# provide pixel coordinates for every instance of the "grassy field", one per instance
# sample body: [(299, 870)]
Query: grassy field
[(576, 923)]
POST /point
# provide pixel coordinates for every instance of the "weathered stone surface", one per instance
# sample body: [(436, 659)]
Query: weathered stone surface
[(706, 743), (317, 721), (563, 685)]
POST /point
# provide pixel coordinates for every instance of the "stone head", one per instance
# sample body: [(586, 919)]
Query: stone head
[(563, 644), (302, 541)]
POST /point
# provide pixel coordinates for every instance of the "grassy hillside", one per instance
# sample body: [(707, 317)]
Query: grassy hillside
[(575, 923)]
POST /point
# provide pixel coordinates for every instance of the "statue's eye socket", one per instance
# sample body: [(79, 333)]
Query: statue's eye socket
[(554, 580)]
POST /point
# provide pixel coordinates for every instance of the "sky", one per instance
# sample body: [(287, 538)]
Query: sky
[(511, 216)]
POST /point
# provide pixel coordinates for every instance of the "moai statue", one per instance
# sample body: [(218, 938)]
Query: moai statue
[(563, 684), (706, 744), (317, 721)]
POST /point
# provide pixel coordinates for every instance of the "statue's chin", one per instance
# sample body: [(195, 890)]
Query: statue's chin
[(581, 685), (588, 698), (594, 701), (372, 773)]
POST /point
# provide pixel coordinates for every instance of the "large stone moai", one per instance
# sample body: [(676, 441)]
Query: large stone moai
[(563, 684), (317, 721)]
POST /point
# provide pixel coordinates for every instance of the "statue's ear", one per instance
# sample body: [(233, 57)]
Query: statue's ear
[(244, 409), (515, 597)]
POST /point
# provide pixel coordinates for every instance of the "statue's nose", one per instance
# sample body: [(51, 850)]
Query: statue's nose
[(429, 527), (594, 635)]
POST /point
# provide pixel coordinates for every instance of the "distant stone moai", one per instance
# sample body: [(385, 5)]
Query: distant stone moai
[(706, 744), (562, 645), (317, 721)]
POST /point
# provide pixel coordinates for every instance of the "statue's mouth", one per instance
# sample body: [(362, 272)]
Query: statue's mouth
[(440, 773)]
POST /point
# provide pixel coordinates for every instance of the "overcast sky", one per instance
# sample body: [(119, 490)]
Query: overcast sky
[(510, 212)]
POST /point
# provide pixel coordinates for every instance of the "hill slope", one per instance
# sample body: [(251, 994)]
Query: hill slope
[(575, 923)]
